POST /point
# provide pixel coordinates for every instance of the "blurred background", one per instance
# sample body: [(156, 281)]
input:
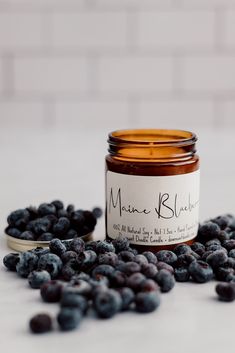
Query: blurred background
[(73, 70)]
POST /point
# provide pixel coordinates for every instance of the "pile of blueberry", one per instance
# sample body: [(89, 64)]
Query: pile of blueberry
[(111, 277), (51, 220)]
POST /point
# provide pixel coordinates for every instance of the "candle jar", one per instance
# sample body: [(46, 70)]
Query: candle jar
[(152, 188)]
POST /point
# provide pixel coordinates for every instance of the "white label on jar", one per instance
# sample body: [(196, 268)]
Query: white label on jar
[(152, 210)]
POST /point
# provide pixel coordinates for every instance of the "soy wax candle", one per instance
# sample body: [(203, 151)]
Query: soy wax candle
[(152, 187)]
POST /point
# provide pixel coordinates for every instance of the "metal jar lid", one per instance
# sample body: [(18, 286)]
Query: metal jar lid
[(25, 245)]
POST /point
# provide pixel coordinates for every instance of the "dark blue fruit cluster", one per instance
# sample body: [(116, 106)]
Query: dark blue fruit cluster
[(108, 277), (111, 277), (51, 220)]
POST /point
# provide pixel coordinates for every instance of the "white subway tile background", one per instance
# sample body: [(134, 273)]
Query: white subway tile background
[(117, 63)]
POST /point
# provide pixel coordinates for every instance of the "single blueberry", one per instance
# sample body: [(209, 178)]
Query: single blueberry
[(208, 230), (57, 247), (198, 248), (51, 263), (69, 318), (103, 270), (104, 246), (13, 232), (120, 244), (200, 271), (165, 280), (181, 274), (109, 258), (46, 208), (147, 302), (72, 300), (77, 245), (135, 281), (40, 323), (97, 212), (217, 258), (149, 270), (61, 227), (58, 204), (126, 255), (51, 291), (37, 278), (163, 266), (150, 256), (127, 296), (181, 249), (118, 279), (167, 256), (18, 218), (68, 255), (28, 262), (148, 285), (226, 291), (27, 235), (107, 303), (11, 260)]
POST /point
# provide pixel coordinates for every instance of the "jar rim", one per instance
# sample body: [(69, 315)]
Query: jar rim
[(152, 137)]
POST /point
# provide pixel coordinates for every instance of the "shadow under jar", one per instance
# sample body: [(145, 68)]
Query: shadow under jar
[(152, 188)]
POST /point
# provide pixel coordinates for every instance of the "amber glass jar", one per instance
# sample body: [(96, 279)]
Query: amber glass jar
[(152, 187)]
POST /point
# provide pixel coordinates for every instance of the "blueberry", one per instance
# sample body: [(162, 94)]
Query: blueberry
[(41, 225), (182, 274), (18, 218), (208, 230), (103, 270), (223, 235), (151, 257), (232, 253), (230, 263), (206, 254), (185, 260), (90, 220), (147, 302), (181, 249), (78, 286), (57, 247), (217, 258), (51, 291), (126, 255), (91, 245), (71, 234), (77, 219), (107, 303), (28, 262), (68, 255), (200, 271), (127, 296), (51, 218), (148, 285), (215, 241), (51, 263), (165, 280), (167, 256), (87, 259), (229, 244), (149, 270), (77, 245), (222, 221), (130, 267), (13, 232), (62, 213), (33, 212), (46, 208), (72, 300), (99, 285), (70, 209), (118, 279), (135, 280), (70, 269), (214, 247), (37, 278), (58, 204), (69, 318), (198, 248), (226, 291), (121, 244), (61, 226), (82, 275), (97, 212), (141, 260), (10, 261), (40, 323), (27, 235), (223, 274), (39, 251), (45, 237), (109, 258), (104, 246), (163, 266)]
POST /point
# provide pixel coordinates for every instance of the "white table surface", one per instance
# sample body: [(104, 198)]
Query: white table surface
[(39, 166)]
